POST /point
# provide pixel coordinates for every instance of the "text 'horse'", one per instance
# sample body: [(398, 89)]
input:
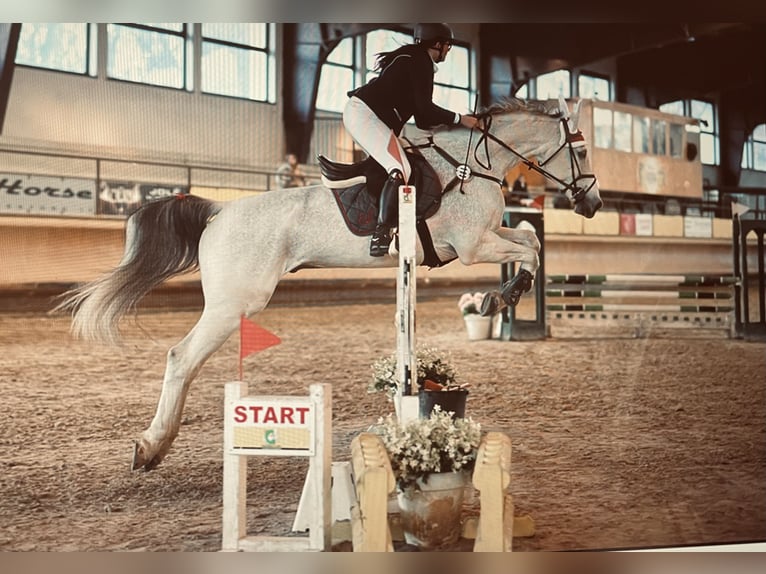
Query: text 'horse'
[(244, 247)]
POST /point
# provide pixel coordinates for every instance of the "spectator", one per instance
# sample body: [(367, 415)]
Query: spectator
[(289, 173), (518, 191)]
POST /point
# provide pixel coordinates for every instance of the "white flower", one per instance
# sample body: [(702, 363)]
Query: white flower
[(470, 303), (432, 364), (435, 444)]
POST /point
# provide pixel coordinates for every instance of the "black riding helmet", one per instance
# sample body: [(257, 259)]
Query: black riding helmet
[(430, 34)]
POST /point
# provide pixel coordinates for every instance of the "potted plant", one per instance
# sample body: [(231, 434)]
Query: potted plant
[(437, 381), (478, 327), (431, 459)]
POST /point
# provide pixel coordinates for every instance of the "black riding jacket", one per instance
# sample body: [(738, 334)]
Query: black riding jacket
[(405, 89)]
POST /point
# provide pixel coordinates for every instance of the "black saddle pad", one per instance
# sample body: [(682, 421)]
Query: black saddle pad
[(359, 203)]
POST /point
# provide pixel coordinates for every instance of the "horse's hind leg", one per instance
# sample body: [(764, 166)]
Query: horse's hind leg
[(184, 361)]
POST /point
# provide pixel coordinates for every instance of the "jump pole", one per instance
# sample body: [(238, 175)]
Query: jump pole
[(406, 399)]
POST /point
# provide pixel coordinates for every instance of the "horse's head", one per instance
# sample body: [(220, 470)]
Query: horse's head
[(560, 149), (568, 164)]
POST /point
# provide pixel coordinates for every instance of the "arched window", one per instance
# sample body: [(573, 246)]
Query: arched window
[(754, 152), (553, 84), (593, 87), (706, 113), (343, 71)]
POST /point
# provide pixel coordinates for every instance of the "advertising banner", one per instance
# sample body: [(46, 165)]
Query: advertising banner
[(122, 198), (45, 195)]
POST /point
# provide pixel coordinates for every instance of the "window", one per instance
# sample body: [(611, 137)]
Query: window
[(658, 136), (337, 77), (452, 82), (63, 47), (553, 84), (152, 54), (239, 60), (622, 131), (676, 140), (676, 108), (641, 134), (236, 60), (705, 112), (344, 71), (602, 126), (593, 87), (754, 153)]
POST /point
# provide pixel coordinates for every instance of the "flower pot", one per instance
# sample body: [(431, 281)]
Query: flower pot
[(478, 327), (430, 512), (449, 401)]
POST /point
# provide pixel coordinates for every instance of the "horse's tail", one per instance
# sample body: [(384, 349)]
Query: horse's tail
[(161, 241)]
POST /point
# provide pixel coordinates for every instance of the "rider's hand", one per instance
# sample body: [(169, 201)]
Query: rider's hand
[(470, 122)]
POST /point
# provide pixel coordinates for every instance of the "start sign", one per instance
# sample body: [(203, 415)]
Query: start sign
[(271, 426)]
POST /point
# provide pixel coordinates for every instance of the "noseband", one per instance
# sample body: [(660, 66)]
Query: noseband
[(570, 141)]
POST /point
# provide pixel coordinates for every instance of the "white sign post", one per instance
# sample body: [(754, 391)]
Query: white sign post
[(277, 426)]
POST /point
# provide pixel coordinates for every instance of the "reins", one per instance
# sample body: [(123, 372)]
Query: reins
[(570, 139), (464, 173)]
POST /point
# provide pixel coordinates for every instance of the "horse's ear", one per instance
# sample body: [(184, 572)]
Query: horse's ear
[(563, 107), (575, 119)]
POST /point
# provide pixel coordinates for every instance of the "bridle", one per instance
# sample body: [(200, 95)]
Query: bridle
[(570, 141)]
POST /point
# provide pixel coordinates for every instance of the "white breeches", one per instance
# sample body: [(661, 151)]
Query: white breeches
[(375, 137)]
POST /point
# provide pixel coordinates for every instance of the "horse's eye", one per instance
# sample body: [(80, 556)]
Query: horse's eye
[(582, 153)]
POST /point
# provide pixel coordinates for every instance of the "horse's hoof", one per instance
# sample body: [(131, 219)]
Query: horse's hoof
[(516, 287), (141, 460), (138, 456), (491, 304)]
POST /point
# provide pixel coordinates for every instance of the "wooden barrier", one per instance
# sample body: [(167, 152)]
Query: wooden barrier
[(643, 303), (491, 477), (373, 482), (277, 426)]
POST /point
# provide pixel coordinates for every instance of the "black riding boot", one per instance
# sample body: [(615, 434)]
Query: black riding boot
[(389, 199)]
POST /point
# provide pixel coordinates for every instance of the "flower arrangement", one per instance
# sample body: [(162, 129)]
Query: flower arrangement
[(435, 372), (470, 303), (428, 445)]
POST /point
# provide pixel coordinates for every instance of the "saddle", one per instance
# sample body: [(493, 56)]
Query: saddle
[(357, 187)]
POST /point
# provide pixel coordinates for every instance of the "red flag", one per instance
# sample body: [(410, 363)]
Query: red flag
[(253, 338)]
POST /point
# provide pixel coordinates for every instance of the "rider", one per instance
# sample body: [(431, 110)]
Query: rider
[(376, 113)]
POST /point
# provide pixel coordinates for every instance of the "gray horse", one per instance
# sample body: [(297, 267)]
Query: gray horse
[(243, 248)]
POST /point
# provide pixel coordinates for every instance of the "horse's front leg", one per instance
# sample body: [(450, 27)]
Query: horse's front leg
[(524, 234), (522, 281), (508, 245)]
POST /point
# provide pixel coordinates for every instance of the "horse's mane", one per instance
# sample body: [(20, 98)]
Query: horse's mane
[(511, 105)]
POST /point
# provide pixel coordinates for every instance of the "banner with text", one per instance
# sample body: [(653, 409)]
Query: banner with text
[(45, 195), (123, 198)]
